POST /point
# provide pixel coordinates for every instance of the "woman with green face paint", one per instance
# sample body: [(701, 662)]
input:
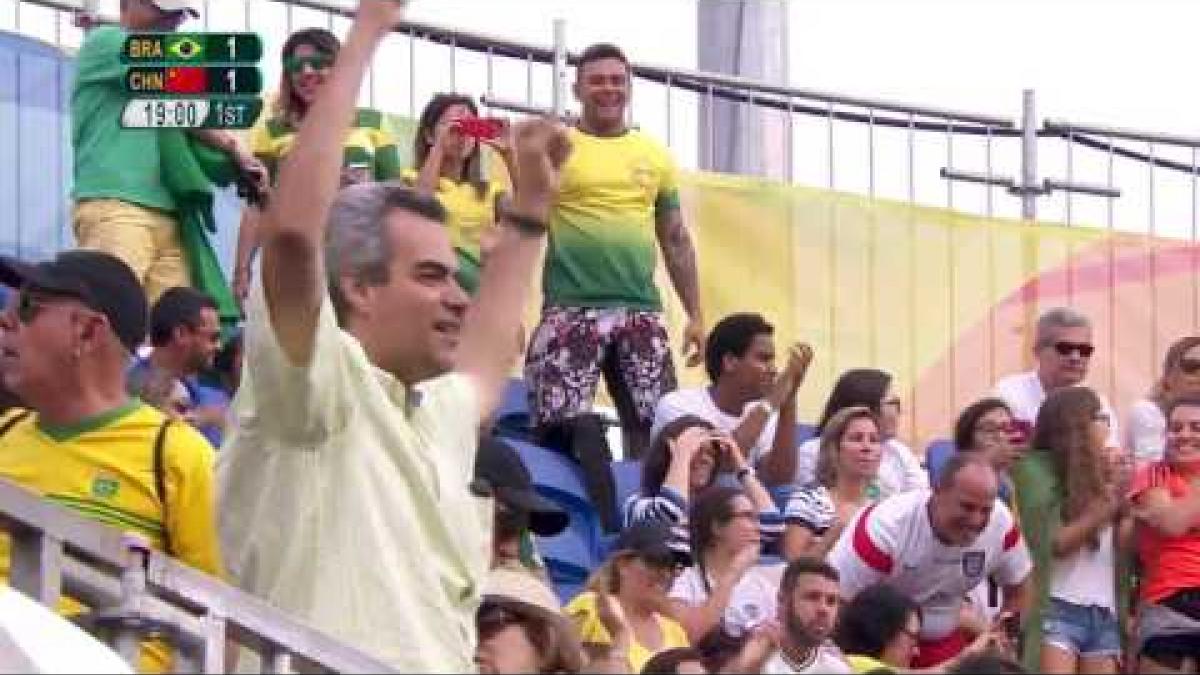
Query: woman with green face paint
[(370, 152)]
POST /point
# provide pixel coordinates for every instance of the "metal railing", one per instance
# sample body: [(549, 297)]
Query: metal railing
[(888, 149), (134, 592), (1084, 175)]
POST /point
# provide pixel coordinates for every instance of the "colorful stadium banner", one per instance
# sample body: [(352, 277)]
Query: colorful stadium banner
[(943, 300)]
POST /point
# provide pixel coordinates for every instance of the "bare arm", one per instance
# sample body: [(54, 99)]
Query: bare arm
[(431, 170), (779, 465), (1073, 535), (683, 449), (700, 620), (293, 228), (1172, 517), (247, 244), (680, 256), (798, 541), (1018, 598), (494, 319)]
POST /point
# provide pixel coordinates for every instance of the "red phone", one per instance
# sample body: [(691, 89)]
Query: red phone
[(481, 128)]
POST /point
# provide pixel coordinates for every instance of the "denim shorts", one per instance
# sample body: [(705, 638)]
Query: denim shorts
[(1089, 631)]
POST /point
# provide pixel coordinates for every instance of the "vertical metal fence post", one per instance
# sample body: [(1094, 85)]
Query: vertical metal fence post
[(36, 570), (829, 124), (871, 152), (1029, 141), (1193, 251), (559, 93), (453, 66)]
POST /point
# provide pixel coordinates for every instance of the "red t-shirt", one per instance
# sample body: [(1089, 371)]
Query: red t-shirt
[(1171, 564)]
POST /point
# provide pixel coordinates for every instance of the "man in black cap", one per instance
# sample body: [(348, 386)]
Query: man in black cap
[(519, 510), (66, 338)]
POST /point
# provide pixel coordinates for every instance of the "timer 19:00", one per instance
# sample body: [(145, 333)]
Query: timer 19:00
[(186, 114)]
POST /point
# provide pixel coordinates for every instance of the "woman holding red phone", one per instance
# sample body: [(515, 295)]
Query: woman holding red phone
[(449, 166)]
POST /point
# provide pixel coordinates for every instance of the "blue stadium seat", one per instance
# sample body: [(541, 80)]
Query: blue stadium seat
[(935, 457), (555, 475), (628, 478), (570, 557), (559, 479), (512, 418), (805, 432)]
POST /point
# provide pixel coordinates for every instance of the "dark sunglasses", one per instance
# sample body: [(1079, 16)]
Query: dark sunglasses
[(295, 64), (1190, 366), (1082, 348)]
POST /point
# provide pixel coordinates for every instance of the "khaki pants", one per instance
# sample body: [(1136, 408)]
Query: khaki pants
[(146, 239)]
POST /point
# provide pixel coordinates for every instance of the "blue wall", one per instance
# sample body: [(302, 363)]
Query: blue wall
[(35, 154), (35, 147)]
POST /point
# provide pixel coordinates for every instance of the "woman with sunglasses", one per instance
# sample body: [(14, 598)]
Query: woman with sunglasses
[(847, 470), (370, 152), (1071, 495), (450, 166), (899, 470), (1180, 377), (637, 576), (988, 428)]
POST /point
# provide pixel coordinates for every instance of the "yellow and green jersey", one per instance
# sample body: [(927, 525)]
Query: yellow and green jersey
[(103, 469), (602, 236), (469, 212), (368, 144)]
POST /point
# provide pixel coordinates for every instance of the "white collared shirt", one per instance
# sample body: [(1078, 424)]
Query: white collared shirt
[(344, 500)]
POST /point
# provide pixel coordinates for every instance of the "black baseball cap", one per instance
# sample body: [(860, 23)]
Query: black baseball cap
[(500, 469), (655, 540), (101, 281)]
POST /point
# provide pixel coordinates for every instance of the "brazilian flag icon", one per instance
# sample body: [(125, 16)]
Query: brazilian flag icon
[(185, 48)]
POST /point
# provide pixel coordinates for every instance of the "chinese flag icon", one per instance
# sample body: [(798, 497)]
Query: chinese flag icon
[(186, 81)]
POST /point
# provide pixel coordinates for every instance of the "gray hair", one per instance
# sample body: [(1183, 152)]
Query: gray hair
[(1054, 319), (357, 244)]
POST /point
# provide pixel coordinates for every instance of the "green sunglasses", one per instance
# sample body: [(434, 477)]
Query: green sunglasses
[(295, 64)]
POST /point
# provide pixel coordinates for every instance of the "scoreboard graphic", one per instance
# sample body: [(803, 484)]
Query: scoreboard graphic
[(192, 80)]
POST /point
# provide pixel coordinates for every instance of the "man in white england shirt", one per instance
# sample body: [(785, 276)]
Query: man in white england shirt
[(1063, 348), (748, 399), (936, 547)]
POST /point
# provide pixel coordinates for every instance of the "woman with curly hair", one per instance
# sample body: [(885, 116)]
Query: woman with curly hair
[(1070, 491)]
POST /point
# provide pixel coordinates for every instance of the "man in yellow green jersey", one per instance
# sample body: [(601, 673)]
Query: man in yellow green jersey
[(83, 443), (602, 312)]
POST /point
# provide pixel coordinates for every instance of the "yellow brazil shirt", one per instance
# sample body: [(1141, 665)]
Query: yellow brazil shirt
[(368, 143), (584, 613), (469, 213), (602, 240), (103, 469)]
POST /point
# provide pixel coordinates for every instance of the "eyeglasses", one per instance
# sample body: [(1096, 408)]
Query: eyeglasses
[(1066, 348), (1102, 416), (295, 64), (1190, 366)]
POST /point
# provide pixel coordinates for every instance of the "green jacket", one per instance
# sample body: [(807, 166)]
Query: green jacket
[(1039, 496), (190, 169)]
